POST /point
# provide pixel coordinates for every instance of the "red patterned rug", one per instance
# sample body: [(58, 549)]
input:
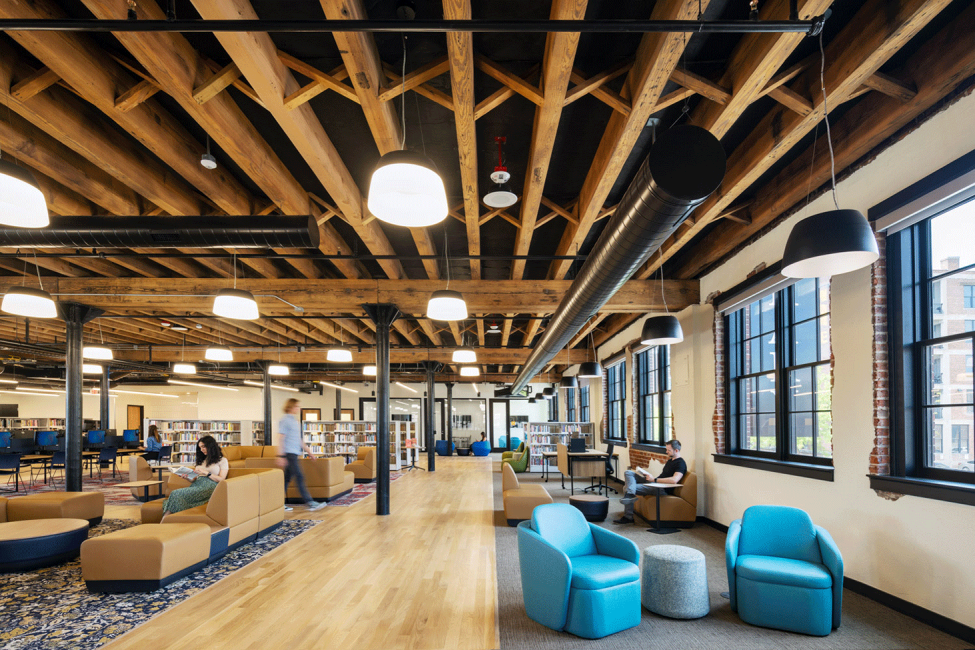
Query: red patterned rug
[(114, 496), (361, 491)]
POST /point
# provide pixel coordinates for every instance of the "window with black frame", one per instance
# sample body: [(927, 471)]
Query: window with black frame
[(779, 382), (653, 395), (570, 404), (553, 407), (616, 401), (584, 413), (935, 261)]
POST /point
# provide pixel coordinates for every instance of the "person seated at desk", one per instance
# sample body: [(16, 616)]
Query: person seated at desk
[(673, 472), (212, 467), (153, 444)]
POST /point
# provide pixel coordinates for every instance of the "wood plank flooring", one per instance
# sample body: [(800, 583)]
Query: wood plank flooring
[(421, 577)]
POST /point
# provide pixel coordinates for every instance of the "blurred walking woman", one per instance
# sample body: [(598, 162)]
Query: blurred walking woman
[(212, 467)]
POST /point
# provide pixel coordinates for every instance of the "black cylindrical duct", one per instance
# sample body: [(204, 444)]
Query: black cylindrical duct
[(686, 164), (167, 232)]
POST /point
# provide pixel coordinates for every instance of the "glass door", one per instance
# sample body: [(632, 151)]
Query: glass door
[(499, 425)]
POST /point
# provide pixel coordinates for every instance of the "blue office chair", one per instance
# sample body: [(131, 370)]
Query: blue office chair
[(10, 467), (165, 454), (577, 576), (784, 572), (106, 458), (57, 464)]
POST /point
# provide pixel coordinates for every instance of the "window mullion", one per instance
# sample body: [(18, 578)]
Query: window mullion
[(783, 301)]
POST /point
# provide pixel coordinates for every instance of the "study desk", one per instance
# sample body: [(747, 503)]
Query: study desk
[(32, 459), (588, 455)]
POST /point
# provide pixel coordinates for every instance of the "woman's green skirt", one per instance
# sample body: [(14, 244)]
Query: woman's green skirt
[(197, 494)]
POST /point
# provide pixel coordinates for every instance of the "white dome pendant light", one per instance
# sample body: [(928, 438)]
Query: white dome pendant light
[(21, 203), (406, 189), (97, 352), (833, 242), (339, 354), (501, 196), (446, 305), (235, 303)]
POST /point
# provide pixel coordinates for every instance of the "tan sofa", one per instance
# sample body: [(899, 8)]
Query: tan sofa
[(247, 505), (679, 508), (237, 455), (326, 478), (54, 505), (519, 499), (139, 470), (364, 466)]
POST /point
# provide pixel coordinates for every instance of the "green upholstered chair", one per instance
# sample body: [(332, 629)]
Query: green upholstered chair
[(518, 462), (506, 455)]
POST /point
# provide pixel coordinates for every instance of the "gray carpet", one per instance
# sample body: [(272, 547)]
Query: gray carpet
[(866, 624)]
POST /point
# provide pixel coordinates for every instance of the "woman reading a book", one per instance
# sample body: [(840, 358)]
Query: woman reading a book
[(211, 468)]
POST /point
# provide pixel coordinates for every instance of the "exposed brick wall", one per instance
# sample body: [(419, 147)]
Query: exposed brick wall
[(718, 419), (880, 454)]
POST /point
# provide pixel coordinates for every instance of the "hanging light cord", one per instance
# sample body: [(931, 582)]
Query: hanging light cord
[(663, 294), (402, 102), (829, 137), (446, 254)]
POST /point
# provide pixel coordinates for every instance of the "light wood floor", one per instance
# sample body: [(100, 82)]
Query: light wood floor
[(421, 577)]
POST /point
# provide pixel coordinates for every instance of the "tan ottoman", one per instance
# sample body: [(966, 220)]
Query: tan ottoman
[(58, 505), (152, 512), (31, 544), (144, 558)]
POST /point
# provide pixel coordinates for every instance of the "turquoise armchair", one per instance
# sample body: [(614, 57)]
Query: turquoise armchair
[(576, 576), (783, 572)]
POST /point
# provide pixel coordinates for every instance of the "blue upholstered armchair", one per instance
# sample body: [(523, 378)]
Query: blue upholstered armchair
[(440, 446), (481, 448), (784, 572), (576, 576)]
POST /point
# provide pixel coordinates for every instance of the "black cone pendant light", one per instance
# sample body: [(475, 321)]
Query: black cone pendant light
[(829, 243), (661, 330)]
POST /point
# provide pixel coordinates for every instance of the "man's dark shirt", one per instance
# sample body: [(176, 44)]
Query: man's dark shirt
[(673, 466)]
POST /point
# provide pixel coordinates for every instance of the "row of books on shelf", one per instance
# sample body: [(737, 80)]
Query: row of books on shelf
[(332, 450), (32, 423), (348, 427), (369, 438)]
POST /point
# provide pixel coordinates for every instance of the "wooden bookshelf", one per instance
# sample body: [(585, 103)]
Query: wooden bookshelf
[(184, 434), (343, 438), (545, 436)]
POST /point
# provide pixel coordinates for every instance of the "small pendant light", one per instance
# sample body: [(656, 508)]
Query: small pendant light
[(219, 353), (833, 242), (568, 382), (235, 303), (91, 369), (446, 305), (589, 370), (340, 353), (465, 354), (501, 196), (21, 203), (32, 303), (470, 371), (370, 371), (548, 393), (278, 370), (184, 368), (97, 352), (662, 330)]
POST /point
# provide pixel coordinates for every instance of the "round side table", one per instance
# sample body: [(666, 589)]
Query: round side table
[(593, 506)]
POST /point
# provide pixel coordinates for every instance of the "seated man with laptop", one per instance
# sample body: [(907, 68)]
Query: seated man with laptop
[(673, 472)]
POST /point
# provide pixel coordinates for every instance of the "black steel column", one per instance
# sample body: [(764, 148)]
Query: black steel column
[(450, 418), (383, 316), (75, 316), (103, 404), (337, 411), (268, 435), (431, 416)]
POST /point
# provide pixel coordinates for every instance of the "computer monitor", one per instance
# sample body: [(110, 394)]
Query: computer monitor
[(47, 440), (130, 438), (96, 439), (577, 445)]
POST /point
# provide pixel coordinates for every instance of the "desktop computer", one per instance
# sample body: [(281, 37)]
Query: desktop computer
[(130, 438)]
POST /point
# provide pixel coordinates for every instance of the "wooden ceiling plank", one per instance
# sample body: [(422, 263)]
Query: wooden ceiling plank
[(136, 95), (753, 64), (585, 86), (788, 74), (674, 97), (939, 65), (51, 264), (656, 59), (59, 199), (557, 68), (501, 74), (85, 66), (216, 84), (501, 95), (875, 34), (36, 83), (544, 220), (460, 51), (505, 332), (360, 355)]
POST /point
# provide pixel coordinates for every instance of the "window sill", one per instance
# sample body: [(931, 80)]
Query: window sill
[(653, 449), (817, 472), (962, 493), (615, 443)]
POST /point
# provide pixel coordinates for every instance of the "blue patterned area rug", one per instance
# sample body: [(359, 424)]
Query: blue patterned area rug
[(52, 608)]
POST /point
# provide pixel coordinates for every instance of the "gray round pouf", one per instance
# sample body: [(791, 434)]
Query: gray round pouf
[(675, 582)]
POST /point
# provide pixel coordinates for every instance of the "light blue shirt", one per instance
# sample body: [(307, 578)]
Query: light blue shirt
[(152, 444), (289, 428)]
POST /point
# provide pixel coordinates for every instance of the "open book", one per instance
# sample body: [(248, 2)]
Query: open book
[(640, 470), (186, 473)]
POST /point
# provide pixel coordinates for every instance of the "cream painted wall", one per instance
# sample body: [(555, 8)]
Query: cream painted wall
[(916, 549)]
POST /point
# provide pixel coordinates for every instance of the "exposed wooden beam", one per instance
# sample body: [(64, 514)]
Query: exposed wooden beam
[(501, 95), (674, 97), (656, 59), (136, 95), (216, 84), (323, 80), (585, 86), (701, 85), (891, 87), (419, 76), (876, 33), (460, 50), (560, 52), (612, 99), (185, 296), (939, 65), (791, 100), (36, 83), (424, 90), (486, 356), (508, 78)]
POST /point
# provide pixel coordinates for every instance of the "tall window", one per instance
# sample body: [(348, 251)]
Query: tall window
[(653, 395), (570, 404), (779, 388), (553, 407), (931, 279), (616, 401), (584, 414)]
